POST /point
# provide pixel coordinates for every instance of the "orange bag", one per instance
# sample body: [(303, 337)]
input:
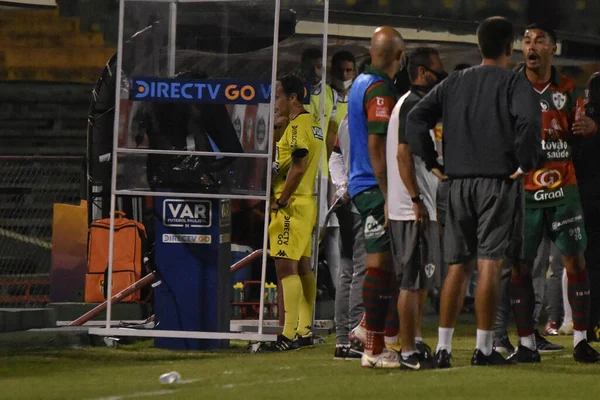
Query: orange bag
[(129, 240)]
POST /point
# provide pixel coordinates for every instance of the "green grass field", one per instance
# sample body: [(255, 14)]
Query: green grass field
[(130, 372)]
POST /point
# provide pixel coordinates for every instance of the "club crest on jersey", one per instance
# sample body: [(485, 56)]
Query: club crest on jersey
[(559, 100), (429, 270)]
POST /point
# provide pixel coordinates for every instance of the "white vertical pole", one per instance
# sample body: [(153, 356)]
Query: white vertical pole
[(263, 275), (172, 37), (324, 128), (113, 176)]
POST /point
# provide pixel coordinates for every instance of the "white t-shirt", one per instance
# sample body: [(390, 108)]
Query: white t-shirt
[(400, 205)]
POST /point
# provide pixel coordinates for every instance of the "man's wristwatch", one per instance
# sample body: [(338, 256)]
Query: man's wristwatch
[(280, 205), (417, 198)]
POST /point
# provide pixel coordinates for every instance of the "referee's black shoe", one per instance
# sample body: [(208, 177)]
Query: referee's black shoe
[(282, 344), (493, 359), (524, 355)]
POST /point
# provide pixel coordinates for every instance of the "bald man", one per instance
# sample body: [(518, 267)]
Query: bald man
[(372, 99)]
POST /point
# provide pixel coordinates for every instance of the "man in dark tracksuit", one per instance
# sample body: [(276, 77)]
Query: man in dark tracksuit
[(587, 168), (492, 124)]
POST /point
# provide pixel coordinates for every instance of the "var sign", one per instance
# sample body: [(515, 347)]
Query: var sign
[(182, 213)]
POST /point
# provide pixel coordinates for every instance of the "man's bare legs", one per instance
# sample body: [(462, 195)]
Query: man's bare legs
[(487, 299)]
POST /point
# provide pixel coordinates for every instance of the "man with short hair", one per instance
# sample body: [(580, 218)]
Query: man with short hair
[(294, 213), (372, 99), (492, 126), (411, 194), (552, 203)]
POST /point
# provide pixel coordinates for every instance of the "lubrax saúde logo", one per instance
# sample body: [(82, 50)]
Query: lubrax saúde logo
[(215, 91)]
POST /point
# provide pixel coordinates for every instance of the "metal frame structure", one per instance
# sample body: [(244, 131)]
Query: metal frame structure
[(116, 150)]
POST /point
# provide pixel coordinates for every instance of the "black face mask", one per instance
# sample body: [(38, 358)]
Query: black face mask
[(440, 76)]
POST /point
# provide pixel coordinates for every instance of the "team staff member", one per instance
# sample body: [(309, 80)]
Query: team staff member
[(492, 127), (411, 195), (372, 99), (552, 204), (294, 213)]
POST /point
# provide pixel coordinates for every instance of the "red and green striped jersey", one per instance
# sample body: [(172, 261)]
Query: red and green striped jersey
[(554, 182)]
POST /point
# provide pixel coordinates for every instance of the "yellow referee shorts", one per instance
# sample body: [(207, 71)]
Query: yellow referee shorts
[(290, 229)]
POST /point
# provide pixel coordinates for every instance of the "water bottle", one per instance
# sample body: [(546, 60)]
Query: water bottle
[(238, 297), (238, 292), (170, 378)]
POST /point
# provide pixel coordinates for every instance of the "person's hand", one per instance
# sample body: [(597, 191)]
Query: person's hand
[(518, 175), (584, 126), (275, 207), (439, 174), (342, 194), (421, 213)]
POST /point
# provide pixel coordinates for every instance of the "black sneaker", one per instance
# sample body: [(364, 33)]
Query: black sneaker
[(344, 352), (544, 346), (309, 339), (282, 344), (494, 358), (585, 353), (442, 358), (524, 355), (424, 349), (341, 352), (503, 345), (415, 362)]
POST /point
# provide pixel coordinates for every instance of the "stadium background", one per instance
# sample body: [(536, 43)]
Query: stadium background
[(51, 58)]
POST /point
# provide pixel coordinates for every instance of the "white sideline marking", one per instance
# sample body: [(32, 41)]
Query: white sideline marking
[(138, 394), (233, 385)]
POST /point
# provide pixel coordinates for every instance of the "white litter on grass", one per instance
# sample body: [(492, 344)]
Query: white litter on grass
[(138, 394), (228, 372)]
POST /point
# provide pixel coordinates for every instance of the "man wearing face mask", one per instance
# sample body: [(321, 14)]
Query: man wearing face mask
[(411, 194), (492, 130), (343, 73), (372, 99)]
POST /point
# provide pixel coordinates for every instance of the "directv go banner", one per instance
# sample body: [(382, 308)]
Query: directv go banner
[(215, 91)]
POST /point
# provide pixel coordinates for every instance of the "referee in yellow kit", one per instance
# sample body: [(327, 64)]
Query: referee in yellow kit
[(294, 212)]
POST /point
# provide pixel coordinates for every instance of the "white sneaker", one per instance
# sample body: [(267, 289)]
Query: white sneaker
[(387, 359), (566, 329)]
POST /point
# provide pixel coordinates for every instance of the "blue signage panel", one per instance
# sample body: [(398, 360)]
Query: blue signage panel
[(213, 91), (192, 256)]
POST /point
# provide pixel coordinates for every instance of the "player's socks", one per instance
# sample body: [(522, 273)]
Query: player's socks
[(375, 289), (418, 339), (523, 301), (578, 336), (445, 339), (392, 321), (292, 292), (568, 318), (406, 354), (484, 342), (579, 299), (529, 342), (307, 301)]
